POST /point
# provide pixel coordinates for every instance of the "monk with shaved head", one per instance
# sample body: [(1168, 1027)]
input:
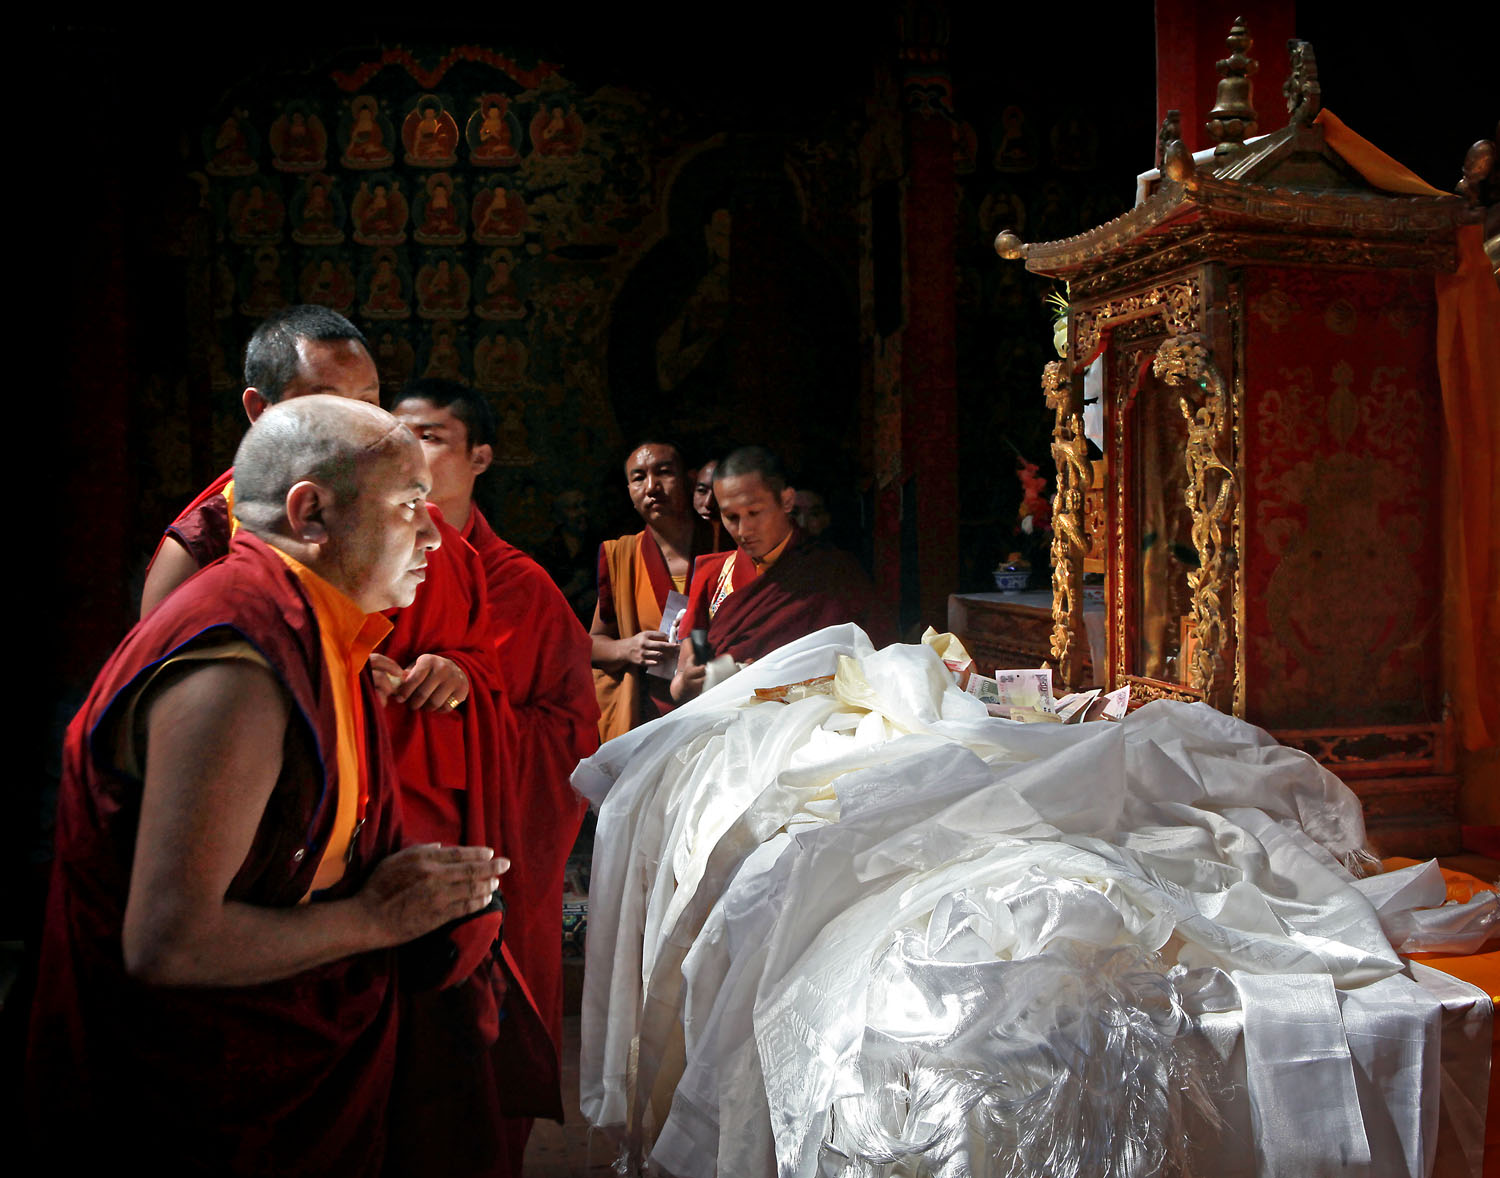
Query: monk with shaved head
[(217, 987), (473, 1039), (638, 574)]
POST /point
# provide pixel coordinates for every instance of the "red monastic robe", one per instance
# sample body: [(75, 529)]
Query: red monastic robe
[(544, 666), (449, 762), (477, 1050), (287, 1077), (810, 586)]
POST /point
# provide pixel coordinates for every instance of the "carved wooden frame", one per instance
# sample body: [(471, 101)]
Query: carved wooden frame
[(1178, 306)]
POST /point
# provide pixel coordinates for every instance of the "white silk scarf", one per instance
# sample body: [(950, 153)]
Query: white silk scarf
[(883, 933)]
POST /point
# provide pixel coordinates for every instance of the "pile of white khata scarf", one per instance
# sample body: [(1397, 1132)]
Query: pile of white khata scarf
[(879, 932)]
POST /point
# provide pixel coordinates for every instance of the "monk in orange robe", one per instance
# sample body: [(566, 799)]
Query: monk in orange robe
[(636, 575), (543, 656)]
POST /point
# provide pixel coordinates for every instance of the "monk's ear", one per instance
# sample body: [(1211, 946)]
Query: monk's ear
[(480, 458), (255, 403), (788, 499), (306, 507)]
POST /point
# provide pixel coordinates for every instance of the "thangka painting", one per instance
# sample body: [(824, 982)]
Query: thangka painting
[(478, 217)]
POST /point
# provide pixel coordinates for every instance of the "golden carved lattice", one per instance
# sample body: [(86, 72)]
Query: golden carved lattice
[(1178, 303)]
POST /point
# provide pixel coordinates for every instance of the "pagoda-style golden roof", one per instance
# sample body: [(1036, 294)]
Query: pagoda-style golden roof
[(1287, 197)]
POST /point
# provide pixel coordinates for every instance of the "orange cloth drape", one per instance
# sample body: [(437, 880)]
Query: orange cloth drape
[(1461, 886), (1468, 349), (647, 607), (1370, 162), (1468, 356)]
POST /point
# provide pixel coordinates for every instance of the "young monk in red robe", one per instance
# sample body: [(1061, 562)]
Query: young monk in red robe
[(474, 1051), (217, 987), (777, 585), (543, 656)]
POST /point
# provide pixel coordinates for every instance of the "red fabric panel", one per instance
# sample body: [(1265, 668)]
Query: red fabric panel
[(1343, 524), (203, 527)]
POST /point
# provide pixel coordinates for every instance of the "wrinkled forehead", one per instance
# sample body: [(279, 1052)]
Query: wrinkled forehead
[(649, 457), (393, 463)]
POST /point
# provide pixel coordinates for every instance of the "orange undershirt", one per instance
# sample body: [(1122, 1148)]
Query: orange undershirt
[(773, 556), (726, 585), (347, 635), (647, 608)]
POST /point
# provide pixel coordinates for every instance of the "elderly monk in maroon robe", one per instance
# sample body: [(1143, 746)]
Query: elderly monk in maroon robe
[(217, 987), (777, 585), (452, 734), (543, 655), (636, 574)]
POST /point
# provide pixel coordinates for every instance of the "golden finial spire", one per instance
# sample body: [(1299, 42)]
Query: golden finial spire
[(1232, 119)]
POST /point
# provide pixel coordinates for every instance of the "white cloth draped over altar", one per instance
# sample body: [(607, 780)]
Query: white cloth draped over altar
[(880, 932)]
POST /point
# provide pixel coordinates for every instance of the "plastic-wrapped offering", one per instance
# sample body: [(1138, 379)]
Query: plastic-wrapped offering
[(791, 692), (1080, 1060)]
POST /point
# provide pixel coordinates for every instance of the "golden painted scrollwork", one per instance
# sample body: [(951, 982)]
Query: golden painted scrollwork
[(1212, 490), (1070, 542), (1144, 691), (1178, 303)]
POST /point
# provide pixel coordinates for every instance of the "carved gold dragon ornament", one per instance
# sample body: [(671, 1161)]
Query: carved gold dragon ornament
[(1069, 543), (1183, 361)]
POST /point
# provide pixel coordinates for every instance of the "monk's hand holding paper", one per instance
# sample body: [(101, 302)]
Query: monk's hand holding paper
[(420, 888), (648, 648)]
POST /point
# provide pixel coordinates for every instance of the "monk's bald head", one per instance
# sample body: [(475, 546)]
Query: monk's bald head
[(318, 438)]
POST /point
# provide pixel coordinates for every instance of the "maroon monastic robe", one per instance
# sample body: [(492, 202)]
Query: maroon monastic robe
[(287, 1077), (810, 586), (475, 1049), (203, 527)]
